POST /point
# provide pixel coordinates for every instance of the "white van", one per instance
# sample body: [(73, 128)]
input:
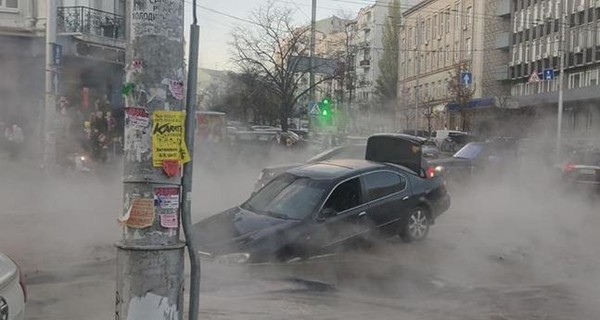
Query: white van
[(438, 136)]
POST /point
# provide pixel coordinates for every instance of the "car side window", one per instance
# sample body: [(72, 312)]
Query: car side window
[(381, 184), (434, 134), (345, 196)]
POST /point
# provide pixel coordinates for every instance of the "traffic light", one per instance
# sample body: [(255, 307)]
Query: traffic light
[(325, 107)]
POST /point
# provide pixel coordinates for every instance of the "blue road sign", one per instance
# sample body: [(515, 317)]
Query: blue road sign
[(57, 53), (313, 109), (548, 74), (466, 78)]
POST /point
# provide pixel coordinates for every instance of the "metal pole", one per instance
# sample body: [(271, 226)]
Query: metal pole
[(313, 31), (150, 255), (49, 158), (188, 169), (560, 84), (418, 61), (311, 93)]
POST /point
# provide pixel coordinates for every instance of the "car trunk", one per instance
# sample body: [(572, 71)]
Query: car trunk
[(397, 149)]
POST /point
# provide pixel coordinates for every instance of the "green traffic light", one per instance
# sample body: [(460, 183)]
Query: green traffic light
[(326, 101), (325, 113)]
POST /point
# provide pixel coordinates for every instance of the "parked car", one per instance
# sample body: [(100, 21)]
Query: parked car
[(420, 133), (438, 136), (582, 171), (12, 290), (430, 150), (477, 158), (326, 206), (456, 140)]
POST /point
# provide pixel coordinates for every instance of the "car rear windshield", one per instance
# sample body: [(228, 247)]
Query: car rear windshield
[(288, 197), (470, 151)]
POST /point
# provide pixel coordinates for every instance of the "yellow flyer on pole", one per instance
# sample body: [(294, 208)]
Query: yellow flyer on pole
[(168, 137)]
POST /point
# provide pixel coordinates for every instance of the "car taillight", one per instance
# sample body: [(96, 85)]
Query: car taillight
[(430, 172), (569, 167)]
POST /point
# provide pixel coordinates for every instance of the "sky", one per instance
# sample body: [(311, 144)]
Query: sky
[(216, 28)]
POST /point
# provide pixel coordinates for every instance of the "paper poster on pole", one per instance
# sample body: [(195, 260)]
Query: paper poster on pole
[(140, 214), (168, 137), (169, 221), (166, 198), (137, 118)]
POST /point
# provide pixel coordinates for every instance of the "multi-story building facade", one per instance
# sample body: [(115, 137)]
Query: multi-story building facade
[(439, 41), (536, 45), (91, 33), (365, 49), (22, 25)]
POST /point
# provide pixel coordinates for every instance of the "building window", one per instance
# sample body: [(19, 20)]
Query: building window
[(457, 15), (435, 26), (9, 4), (575, 80), (469, 46), (469, 16), (447, 20), (447, 53), (591, 77), (456, 51)]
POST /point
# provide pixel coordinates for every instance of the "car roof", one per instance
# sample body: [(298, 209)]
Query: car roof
[(336, 169), (408, 137)]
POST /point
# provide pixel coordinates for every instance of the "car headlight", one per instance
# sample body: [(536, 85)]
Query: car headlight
[(234, 258)]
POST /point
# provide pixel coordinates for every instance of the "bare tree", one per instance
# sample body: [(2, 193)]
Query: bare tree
[(273, 48), (461, 94)]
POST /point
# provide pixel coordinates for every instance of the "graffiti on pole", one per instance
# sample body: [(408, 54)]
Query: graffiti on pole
[(160, 18)]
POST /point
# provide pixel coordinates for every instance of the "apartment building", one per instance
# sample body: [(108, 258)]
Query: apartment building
[(22, 24), (536, 46), (92, 33), (442, 40), (365, 49)]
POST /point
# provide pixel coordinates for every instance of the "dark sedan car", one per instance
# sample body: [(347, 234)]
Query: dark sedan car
[(344, 152), (322, 207), (582, 171), (477, 158), (350, 151)]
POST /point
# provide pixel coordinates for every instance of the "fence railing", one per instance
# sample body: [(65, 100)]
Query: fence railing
[(86, 20)]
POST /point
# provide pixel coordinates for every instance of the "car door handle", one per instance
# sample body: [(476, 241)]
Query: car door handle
[(362, 214), (406, 198)]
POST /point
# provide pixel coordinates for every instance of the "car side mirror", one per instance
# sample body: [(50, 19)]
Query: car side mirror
[(327, 213)]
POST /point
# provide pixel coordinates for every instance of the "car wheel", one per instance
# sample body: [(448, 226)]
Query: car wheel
[(416, 227)]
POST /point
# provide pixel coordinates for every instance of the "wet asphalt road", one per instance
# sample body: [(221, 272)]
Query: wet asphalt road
[(505, 250)]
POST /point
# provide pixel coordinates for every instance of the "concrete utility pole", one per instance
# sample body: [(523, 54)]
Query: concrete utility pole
[(150, 255), (418, 61), (561, 82), (49, 158)]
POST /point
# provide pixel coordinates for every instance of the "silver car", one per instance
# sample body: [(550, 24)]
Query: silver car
[(12, 290)]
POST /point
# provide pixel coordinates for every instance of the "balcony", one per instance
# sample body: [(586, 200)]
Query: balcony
[(503, 8), (503, 41), (90, 21)]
